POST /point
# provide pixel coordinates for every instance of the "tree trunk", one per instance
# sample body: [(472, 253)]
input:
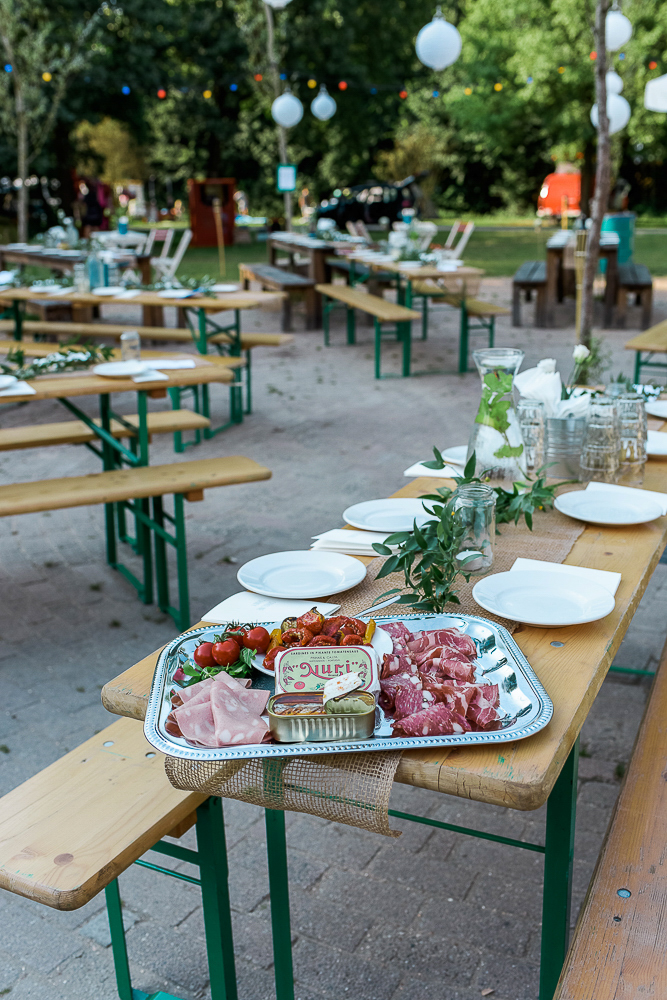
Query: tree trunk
[(282, 133), (602, 175), (22, 160)]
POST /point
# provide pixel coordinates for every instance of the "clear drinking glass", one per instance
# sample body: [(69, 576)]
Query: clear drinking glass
[(565, 436), (130, 346), (532, 422), (80, 276), (601, 445), (496, 435), (474, 507), (633, 432)]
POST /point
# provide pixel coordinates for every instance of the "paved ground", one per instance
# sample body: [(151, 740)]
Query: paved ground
[(432, 916)]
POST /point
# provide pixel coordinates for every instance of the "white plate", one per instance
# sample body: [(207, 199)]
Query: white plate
[(175, 293), (657, 443), (301, 575), (382, 642), (121, 369), (46, 289), (7, 380), (538, 598), (224, 288), (393, 514), (17, 246), (108, 290), (591, 507), (409, 263), (658, 409), (456, 455)]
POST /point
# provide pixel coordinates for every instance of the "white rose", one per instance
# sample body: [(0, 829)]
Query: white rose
[(580, 353), (547, 365)]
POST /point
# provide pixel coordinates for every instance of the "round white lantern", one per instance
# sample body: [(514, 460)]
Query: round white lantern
[(287, 110), (614, 82), (324, 106), (277, 4), (655, 94), (438, 43), (618, 30), (618, 113)]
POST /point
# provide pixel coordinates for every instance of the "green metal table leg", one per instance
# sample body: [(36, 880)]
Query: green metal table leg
[(407, 348), (214, 872), (424, 317), (378, 348), (248, 381), (175, 397), (638, 366), (351, 325), (161, 573), (181, 563), (326, 309), (142, 430), (108, 463), (463, 339), (558, 863), (18, 320), (276, 845), (492, 330), (118, 945), (202, 345)]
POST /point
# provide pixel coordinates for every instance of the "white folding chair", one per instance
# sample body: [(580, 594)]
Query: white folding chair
[(426, 231), (456, 252), (167, 266), (452, 235), (363, 232), (163, 236)]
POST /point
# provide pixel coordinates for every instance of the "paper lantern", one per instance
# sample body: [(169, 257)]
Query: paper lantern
[(655, 94), (287, 110), (618, 113), (438, 43), (614, 82), (618, 30), (324, 106), (277, 4)]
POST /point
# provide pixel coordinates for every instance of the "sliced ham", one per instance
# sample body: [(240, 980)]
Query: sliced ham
[(235, 723), (420, 641), (438, 720), (483, 708), (220, 711), (438, 652), (408, 700), (197, 724)]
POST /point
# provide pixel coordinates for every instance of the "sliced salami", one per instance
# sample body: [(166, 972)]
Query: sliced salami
[(438, 720), (408, 700)]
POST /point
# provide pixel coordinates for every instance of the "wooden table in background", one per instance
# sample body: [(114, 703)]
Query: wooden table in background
[(543, 768)]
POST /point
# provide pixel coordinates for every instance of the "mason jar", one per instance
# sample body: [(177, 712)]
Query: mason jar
[(474, 508)]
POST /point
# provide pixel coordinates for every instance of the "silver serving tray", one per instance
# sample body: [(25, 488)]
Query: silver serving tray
[(525, 707)]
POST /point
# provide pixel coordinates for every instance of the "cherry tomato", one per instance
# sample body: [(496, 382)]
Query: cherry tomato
[(203, 656), (257, 639), (238, 634), (225, 653)]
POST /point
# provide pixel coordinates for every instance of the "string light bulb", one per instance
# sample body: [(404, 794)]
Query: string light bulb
[(46, 77)]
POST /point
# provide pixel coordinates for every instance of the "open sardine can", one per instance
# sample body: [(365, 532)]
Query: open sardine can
[(304, 717), (305, 669)]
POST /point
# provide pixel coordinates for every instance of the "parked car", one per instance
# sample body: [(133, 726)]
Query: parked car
[(371, 201), (555, 188)]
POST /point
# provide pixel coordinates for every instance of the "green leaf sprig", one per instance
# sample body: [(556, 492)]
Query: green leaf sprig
[(493, 410), (70, 358)]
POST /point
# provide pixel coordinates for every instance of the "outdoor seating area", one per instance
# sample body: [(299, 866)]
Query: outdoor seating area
[(333, 502)]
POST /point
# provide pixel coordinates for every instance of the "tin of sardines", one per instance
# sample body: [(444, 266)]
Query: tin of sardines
[(435, 680)]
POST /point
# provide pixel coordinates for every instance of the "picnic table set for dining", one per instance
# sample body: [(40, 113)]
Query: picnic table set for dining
[(322, 681)]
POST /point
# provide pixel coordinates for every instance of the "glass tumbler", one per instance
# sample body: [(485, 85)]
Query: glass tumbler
[(600, 449), (474, 507), (633, 433), (130, 346), (80, 276), (532, 422)]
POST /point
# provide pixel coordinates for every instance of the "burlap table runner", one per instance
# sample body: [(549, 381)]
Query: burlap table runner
[(354, 788)]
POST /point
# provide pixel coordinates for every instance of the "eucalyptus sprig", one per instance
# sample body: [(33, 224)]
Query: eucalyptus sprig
[(523, 500), (69, 359)]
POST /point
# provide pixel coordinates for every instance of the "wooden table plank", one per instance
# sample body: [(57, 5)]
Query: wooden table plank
[(519, 775), (231, 300)]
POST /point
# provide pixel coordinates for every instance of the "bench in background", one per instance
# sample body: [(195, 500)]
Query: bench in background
[(634, 279), (279, 280), (531, 277)]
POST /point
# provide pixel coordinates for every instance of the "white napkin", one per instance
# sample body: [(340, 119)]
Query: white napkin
[(419, 469), (18, 389), (170, 364), (150, 376), (630, 492), (247, 607), (67, 290), (351, 542), (609, 581), (657, 443), (576, 406), (545, 386)]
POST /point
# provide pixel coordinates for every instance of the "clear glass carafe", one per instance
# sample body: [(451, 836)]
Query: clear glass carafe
[(474, 507), (496, 436)]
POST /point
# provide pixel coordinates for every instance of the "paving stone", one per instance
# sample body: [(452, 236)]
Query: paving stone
[(467, 922), (98, 929), (10, 970), (160, 897), (34, 942), (334, 843), (331, 974), (171, 954)]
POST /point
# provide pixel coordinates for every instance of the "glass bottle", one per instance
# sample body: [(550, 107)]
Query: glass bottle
[(474, 507), (496, 435)]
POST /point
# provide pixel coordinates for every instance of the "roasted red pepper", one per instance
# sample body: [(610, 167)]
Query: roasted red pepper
[(312, 620), (297, 637), (322, 640), (270, 657)]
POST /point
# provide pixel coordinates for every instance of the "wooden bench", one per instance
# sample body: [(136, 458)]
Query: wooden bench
[(130, 489), (484, 312), (382, 312), (531, 277), (279, 280), (76, 432), (634, 279), (67, 833), (620, 942), (652, 341)]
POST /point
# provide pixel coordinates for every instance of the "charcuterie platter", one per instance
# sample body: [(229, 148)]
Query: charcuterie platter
[(449, 680)]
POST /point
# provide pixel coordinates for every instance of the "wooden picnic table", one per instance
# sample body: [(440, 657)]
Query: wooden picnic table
[(555, 289), (316, 250), (55, 261), (571, 663)]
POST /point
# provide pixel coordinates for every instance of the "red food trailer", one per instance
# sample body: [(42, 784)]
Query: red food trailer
[(556, 188), (202, 195)]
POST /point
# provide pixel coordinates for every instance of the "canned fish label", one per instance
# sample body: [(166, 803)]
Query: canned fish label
[(303, 669)]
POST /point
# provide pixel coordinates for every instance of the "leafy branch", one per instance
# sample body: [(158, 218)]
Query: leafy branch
[(70, 359), (493, 410)]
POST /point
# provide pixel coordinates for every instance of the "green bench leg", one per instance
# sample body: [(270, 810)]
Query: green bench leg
[(351, 325), (175, 397), (406, 336), (378, 348), (558, 863), (276, 845), (463, 340), (181, 613), (248, 381), (638, 366), (214, 872), (424, 317), (326, 309), (492, 330), (118, 945)]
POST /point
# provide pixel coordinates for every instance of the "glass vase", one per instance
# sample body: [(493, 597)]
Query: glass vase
[(474, 507), (496, 437)]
